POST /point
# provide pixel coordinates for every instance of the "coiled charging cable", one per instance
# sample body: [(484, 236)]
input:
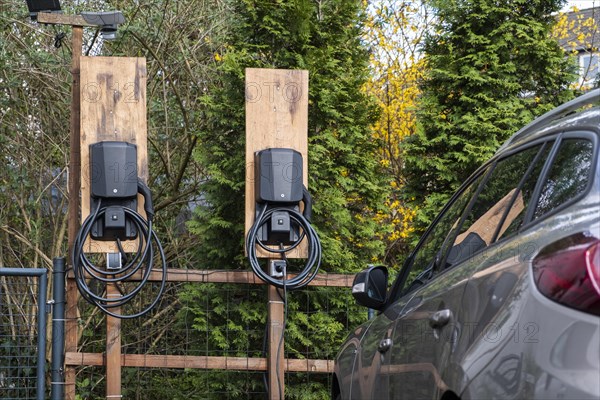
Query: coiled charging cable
[(313, 262), (86, 273)]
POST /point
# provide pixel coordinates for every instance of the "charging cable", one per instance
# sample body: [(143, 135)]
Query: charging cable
[(88, 275), (313, 262)]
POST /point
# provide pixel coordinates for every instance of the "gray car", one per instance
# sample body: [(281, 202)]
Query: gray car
[(501, 297)]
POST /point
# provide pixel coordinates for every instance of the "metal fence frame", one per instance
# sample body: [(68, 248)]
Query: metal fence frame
[(41, 274)]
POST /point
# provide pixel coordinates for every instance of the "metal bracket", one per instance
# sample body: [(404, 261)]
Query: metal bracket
[(277, 268), (49, 305), (114, 261)]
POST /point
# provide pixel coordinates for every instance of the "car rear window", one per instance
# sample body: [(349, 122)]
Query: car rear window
[(513, 223), (500, 193), (568, 177), (502, 202)]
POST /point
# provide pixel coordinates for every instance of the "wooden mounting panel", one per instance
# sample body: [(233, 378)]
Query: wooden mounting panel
[(276, 117), (113, 107)]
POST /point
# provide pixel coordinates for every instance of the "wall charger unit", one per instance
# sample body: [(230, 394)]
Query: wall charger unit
[(114, 181), (114, 217), (278, 176), (279, 226), (278, 181)]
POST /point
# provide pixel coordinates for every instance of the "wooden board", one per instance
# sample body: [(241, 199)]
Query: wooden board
[(235, 276), (198, 362), (113, 107), (276, 117), (62, 19)]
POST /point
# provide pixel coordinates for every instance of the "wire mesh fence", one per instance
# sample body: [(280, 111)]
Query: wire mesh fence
[(209, 341), (22, 333)]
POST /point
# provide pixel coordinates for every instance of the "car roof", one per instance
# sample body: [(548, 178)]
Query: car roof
[(584, 110)]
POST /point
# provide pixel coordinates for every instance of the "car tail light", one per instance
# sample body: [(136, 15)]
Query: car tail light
[(568, 272), (593, 265)]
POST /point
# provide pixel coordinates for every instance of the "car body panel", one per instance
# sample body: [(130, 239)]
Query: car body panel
[(346, 365), (420, 352), (526, 332), (367, 361)]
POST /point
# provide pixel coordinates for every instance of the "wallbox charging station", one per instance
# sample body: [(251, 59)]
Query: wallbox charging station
[(111, 191), (279, 225), (278, 203), (117, 209), (116, 205), (114, 218)]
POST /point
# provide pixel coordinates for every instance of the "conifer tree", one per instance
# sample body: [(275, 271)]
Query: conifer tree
[(323, 38), (492, 67)]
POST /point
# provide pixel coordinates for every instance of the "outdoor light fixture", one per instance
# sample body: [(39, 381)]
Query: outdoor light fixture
[(36, 6), (108, 21)]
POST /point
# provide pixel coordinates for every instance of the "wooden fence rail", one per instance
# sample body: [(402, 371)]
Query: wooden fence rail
[(198, 362), (236, 276), (74, 359)]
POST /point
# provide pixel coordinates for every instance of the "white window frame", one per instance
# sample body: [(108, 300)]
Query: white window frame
[(587, 75)]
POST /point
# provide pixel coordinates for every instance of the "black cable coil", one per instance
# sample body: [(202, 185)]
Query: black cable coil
[(313, 262), (142, 262)]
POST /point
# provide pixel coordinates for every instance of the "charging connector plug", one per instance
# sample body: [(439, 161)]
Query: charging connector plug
[(280, 229), (280, 222), (144, 190), (114, 218)]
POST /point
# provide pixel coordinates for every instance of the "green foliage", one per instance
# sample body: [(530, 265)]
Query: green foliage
[(492, 67), (306, 391), (34, 105), (231, 319), (343, 173), (85, 390), (192, 384), (227, 317)]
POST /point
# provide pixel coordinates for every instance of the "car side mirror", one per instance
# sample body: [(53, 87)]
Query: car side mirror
[(370, 287)]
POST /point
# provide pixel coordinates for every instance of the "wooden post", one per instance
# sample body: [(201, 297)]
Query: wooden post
[(72, 295), (276, 117), (276, 356), (113, 350)]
